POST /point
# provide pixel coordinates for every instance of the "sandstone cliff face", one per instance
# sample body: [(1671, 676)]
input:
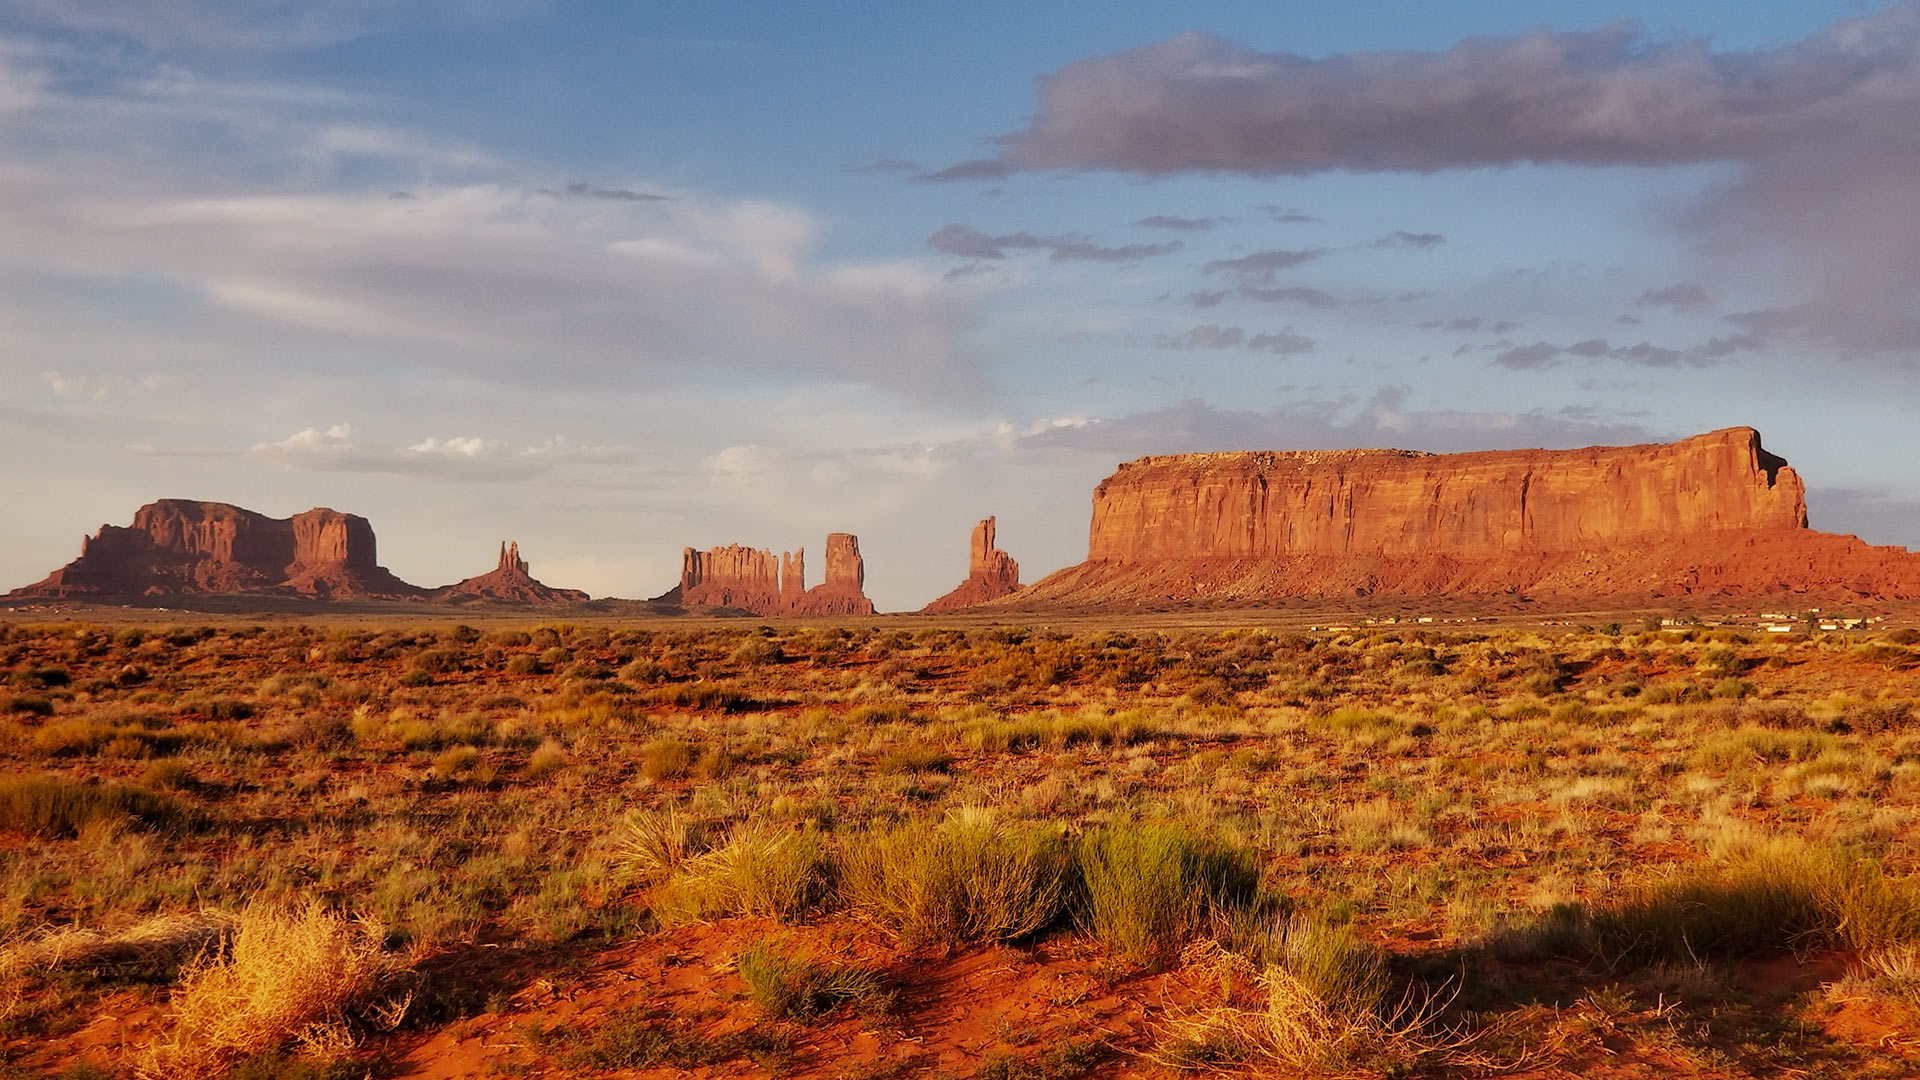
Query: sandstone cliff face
[(177, 547), (991, 574), (510, 582), (1395, 502), (756, 580), (844, 591), (1714, 514)]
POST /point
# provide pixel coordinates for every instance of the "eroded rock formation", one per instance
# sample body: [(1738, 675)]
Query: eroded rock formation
[(1713, 514), (511, 582), (176, 547), (991, 574), (750, 579)]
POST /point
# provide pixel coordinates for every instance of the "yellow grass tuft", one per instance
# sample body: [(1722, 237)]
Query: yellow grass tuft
[(299, 977)]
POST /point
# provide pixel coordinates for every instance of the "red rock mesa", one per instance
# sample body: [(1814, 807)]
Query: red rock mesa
[(510, 582), (180, 548), (1713, 514), (991, 574), (756, 580)]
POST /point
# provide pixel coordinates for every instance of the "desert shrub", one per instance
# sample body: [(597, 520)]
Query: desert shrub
[(759, 871), (1753, 745), (652, 845), (913, 758), (50, 805), (644, 1038), (1768, 898), (666, 759), (547, 758), (700, 695), (300, 977), (1319, 1004), (788, 986), (27, 704), (437, 662), (1147, 889), (525, 664), (968, 879)]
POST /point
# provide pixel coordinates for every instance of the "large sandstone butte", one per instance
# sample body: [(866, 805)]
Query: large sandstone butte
[(1715, 514), (991, 574), (756, 580), (511, 582), (176, 547)]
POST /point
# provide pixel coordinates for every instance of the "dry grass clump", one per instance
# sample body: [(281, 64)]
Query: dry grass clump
[(760, 870), (967, 879), (162, 941), (301, 977), (50, 805), (1148, 889), (1322, 1005), (1777, 895), (788, 985)]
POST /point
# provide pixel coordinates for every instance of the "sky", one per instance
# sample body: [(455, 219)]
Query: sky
[(616, 278)]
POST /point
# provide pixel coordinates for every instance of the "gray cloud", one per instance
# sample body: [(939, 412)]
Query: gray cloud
[(1261, 265), (1404, 239), (1685, 296), (1211, 336), (1081, 250), (1288, 216), (587, 191), (1165, 221), (968, 242), (1206, 299), (1609, 96), (1294, 294), (886, 165), (1529, 357), (1591, 349)]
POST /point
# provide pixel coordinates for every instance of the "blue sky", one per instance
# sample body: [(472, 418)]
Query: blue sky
[(615, 278)]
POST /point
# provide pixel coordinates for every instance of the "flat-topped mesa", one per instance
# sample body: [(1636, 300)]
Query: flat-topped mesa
[(1715, 514), (756, 580), (991, 574), (179, 547), (510, 582), (1396, 502)]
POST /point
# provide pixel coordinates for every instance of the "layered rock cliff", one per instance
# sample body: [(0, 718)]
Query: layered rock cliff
[(991, 574), (756, 580), (177, 547), (1715, 514), (510, 582)]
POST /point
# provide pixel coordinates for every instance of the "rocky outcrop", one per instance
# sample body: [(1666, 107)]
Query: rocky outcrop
[(844, 590), (510, 582), (991, 574), (176, 547), (1714, 514), (755, 580)]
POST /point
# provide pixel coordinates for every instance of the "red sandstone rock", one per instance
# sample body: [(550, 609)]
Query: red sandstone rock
[(754, 580), (176, 547), (844, 591), (1714, 514), (991, 574), (510, 582)]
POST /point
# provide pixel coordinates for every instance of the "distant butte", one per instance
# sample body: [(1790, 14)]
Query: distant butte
[(178, 548), (1712, 515), (991, 574), (755, 580), (508, 583)]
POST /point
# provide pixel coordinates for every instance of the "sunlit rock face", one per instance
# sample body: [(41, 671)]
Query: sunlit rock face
[(1712, 514)]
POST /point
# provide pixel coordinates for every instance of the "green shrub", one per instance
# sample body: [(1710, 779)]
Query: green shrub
[(666, 759), (1148, 889), (56, 806), (790, 987), (759, 871), (969, 879)]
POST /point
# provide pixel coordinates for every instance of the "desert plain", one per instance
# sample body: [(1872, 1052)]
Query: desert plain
[(387, 846)]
